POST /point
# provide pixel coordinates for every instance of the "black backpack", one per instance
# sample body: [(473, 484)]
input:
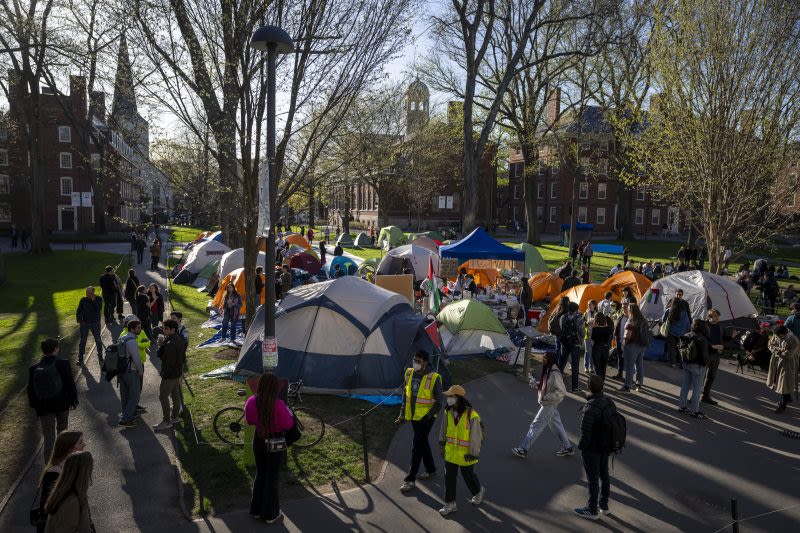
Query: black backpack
[(569, 332), (613, 430), (116, 360), (688, 348), (554, 324), (46, 381)]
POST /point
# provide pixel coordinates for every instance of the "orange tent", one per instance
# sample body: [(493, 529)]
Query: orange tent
[(298, 240), (483, 276), (236, 277), (580, 294), (545, 285), (637, 282)]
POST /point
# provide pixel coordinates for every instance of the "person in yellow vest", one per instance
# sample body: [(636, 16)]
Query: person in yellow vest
[(422, 394), (460, 440)]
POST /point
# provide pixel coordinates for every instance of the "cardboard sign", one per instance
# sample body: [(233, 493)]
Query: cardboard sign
[(402, 284), (448, 268)]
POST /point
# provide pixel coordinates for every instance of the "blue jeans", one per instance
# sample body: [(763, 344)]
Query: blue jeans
[(547, 416), (588, 362), (129, 393), (692, 376), (226, 323), (571, 353), (634, 356), (596, 466), (85, 328)]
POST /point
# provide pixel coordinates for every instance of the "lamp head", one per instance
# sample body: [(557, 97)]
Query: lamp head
[(267, 35)]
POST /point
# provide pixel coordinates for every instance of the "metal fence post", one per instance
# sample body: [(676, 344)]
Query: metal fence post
[(364, 443), (734, 515)]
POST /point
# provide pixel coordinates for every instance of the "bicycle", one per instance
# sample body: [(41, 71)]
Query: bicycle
[(229, 427)]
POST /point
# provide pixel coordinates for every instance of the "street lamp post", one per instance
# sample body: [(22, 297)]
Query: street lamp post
[(273, 40)]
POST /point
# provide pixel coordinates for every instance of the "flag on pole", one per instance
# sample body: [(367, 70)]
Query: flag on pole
[(434, 295)]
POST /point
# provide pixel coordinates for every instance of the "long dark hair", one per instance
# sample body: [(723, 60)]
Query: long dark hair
[(76, 476), (548, 363), (266, 394), (563, 305), (674, 311), (636, 315)]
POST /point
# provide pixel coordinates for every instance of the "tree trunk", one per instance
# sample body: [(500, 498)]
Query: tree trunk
[(228, 164), (469, 211), (530, 193), (312, 198), (39, 238), (99, 196), (625, 228), (346, 212)]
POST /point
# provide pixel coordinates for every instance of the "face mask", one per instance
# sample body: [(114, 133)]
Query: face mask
[(417, 366), (451, 400)]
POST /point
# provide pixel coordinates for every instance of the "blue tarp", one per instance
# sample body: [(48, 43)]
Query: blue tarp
[(608, 248), (480, 245)]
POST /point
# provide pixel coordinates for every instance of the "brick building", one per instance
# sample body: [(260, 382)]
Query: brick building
[(596, 191)]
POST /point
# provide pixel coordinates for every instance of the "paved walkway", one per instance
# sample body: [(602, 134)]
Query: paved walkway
[(135, 481)]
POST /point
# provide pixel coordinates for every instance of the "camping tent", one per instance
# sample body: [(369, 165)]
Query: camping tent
[(345, 240), (702, 291), (367, 265), (362, 240), (426, 242), (204, 275), (347, 265), (235, 259), (215, 236), (391, 234), (417, 258), (470, 327), (482, 276), (637, 283), (580, 294), (306, 262), (433, 235), (201, 255), (237, 277), (545, 285), (481, 245), (295, 249), (533, 259), (340, 336), (298, 240)]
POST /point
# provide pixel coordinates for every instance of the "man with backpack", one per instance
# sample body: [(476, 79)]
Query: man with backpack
[(571, 335), (172, 354), (693, 350), (129, 367), (603, 432), (52, 392)]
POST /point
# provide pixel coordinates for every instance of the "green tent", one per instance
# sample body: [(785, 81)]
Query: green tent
[(345, 240), (467, 315), (363, 240), (393, 235), (533, 259), (366, 265), (435, 235)]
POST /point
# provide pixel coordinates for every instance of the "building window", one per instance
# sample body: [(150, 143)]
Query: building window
[(541, 171), (517, 150), (582, 214), (66, 186), (517, 170), (601, 191), (554, 190), (602, 167), (539, 213), (655, 217), (65, 159), (604, 144), (586, 146), (516, 192), (3, 133), (64, 134), (640, 196), (583, 190), (4, 158), (5, 187), (601, 216), (553, 214), (540, 191), (639, 220), (5, 213), (554, 168)]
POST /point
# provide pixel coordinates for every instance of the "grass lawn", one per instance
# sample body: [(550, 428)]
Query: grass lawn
[(38, 300), (185, 233)]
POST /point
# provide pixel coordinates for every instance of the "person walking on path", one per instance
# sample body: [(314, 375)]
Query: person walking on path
[(620, 322), (636, 341), (587, 254), (460, 441), (551, 392), (322, 252), (231, 307), (782, 373), (142, 311), (67, 443), (142, 345), (422, 397), (715, 348), (571, 335), (694, 356), (131, 284), (678, 315), (595, 456), (271, 417), (588, 321), (310, 234), (173, 355), (601, 343), (14, 236), (140, 244), (156, 301), (68, 505), (120, 299), (88, 318), (52, 393), (108, 284), (130, 385), (155, 254)]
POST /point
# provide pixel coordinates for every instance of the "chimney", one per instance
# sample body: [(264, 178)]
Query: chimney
[(455, 112), (77, 94), (553, 106), (97, 100)]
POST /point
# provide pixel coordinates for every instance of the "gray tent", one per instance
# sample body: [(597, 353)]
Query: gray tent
[(363, 240), (345, 240)]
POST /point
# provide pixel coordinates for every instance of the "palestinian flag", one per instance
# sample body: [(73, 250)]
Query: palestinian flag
[(435, 302)]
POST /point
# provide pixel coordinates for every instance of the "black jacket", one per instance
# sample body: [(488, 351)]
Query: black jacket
[(68, 396), (130, 288), (108, 284), (571, 281), (89, 311), (172, 354), (143, 307), (591, 439)]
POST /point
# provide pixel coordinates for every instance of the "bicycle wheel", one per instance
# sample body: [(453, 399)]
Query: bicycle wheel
[(311, 425), (228, 425)]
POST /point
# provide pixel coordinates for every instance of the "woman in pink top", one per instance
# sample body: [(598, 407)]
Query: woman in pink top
[(270, 416)]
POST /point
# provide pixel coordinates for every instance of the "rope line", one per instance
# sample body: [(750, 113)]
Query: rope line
[(756, 516), (368, 412)]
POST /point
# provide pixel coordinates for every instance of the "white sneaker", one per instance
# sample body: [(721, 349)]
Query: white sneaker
[(448, 508), (164, 424), (478, 498), (280, 515), (407, 486)]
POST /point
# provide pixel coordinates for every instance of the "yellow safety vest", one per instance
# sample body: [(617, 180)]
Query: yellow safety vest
[(458, 437), (425, 399)]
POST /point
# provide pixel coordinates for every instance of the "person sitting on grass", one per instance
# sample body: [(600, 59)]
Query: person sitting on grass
[(789, 295)]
